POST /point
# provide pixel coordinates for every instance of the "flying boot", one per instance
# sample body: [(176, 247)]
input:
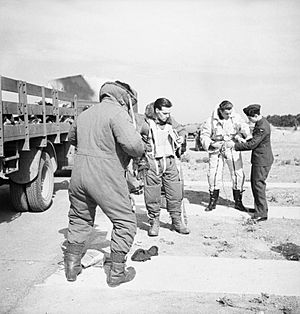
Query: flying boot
[(154, 227), (237, 196), (214, 195), (178, 225), (118, 273), (72, 260)]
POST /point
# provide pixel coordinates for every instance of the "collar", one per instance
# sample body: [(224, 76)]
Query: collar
[(259, 122)]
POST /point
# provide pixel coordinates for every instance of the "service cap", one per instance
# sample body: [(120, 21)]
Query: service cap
[(251, 110)]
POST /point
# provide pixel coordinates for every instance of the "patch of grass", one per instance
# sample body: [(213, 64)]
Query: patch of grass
[(290, 251), (287, 197), (285, 162)]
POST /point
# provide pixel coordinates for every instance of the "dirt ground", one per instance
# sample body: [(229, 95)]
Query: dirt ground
[(276, 239), (242, 238), (227, 237), (211, 236), (286, 168)]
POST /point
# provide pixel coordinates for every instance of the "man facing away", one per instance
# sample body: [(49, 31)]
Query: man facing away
[(106, 140), (261, 159), (159, 133), (222, 126)]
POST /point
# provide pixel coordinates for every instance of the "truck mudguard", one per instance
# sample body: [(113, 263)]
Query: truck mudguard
[(29, 164)]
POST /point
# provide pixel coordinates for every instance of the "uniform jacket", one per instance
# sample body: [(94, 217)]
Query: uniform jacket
[(217, 129), (106, 132), (260, 144)]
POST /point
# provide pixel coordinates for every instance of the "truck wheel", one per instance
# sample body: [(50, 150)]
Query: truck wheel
[(18, 197), (40, 190)]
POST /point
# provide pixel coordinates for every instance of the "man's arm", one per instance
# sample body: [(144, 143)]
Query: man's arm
[(205, 134), (126, 135), (72, 135), (257, 136)]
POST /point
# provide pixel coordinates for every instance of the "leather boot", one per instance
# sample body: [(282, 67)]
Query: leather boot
[(214, 195), (237, 196), (118, 273), (154, 227), (72, 260), (179, 226)]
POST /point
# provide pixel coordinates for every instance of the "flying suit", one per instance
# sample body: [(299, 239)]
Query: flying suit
[(261, 160), (106, 140), (217, 129), (161, 146)]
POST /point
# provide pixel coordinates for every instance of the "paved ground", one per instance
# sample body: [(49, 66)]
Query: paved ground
[(168, 283), (247, 184)]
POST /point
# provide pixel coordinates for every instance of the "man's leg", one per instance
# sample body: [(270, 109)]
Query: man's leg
[(235, 165), (81, 220), (214, 175), (174, 195), (259, 175), (112, 195), (152, 196)]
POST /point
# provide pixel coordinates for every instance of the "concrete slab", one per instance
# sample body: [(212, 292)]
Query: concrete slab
[(287, 185), (170, 274), (287, 212), (197, 274)]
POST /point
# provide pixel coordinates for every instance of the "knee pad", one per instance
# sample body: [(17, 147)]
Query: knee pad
[(174, 192), (152, 194)]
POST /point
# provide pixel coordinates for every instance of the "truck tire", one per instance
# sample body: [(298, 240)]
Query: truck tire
[(18, 197), (40, 191)]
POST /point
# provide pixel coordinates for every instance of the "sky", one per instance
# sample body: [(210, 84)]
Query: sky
[(196, 53)]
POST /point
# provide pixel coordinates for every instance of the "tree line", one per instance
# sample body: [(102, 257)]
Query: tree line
[(288, 120)]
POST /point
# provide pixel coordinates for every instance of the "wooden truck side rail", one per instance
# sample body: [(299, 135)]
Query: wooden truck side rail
[(26, 130), (34, 128)]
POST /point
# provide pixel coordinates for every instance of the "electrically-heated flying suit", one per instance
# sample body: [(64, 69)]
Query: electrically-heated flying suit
[(217, 129), (106, 140), (163, 172)]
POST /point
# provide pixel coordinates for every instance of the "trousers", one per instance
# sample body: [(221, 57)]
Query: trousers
[(217, 161), (109, 190), (258, 178), (163, 172)]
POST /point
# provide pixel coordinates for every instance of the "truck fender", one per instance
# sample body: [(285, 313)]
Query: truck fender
[(29, 164), (52, 153)]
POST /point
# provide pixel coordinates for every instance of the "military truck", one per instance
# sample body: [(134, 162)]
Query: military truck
[(34, 125)]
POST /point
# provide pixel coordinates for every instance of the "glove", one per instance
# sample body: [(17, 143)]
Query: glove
[(239, 139), (216, 145), (142, 168), (178, 152), (183, 146), (141, 255), (229, 144)]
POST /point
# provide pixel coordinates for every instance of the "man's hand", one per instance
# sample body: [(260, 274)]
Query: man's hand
[(180, 140), (142, 168), (239, 139), (217, 145), (178, 152), (229, 144)]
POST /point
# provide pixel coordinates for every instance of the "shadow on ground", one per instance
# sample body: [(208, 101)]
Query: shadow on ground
[(7, 212), (202, 198), (63, 173), (63, 185), (96, 241), (143, 219)]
